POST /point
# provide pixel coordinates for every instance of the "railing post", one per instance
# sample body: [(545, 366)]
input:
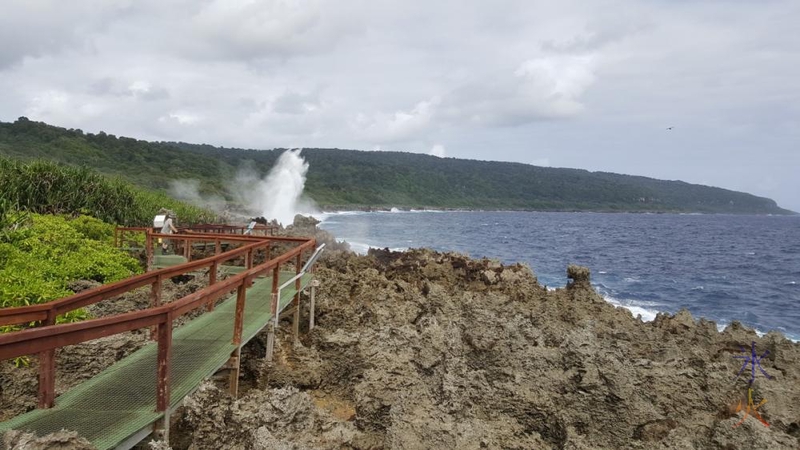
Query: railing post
[(155, 300), (217, 246), (47, 370), (273, 323), (212, 278), (163, 376), (164, 356), (312, 306), (148, 245), (187, 249), (296, 301), (238, 324), (234, 363)]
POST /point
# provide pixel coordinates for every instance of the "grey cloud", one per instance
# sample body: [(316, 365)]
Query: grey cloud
[(35, 28), (296, 103), (267, 29), (573, 83), (138, 89)]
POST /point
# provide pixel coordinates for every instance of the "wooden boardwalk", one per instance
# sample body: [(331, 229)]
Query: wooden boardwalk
[(118, 406), (132, 398)]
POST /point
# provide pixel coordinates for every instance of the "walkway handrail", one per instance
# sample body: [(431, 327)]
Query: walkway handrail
[(36, 340), (43, 311), (49, 336)]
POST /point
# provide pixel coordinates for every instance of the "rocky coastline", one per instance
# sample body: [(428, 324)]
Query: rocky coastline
[(419, 349)]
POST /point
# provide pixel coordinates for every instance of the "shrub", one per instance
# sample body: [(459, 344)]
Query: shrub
[(39, 259)]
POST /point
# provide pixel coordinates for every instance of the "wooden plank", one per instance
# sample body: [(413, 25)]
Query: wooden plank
[(296, 301), (233, 376), (155, 300), (36, 340), (238, 321), (16, 318), (164, 357), (47, 371)]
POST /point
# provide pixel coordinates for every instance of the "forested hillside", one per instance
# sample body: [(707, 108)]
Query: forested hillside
[(357, 179)]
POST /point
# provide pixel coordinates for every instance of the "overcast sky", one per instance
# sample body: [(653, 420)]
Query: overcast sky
[(584, 84)]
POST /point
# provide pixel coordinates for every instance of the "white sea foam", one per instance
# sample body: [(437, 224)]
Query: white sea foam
[(362, 248), (635, 307), (359, 247), (638, 308)]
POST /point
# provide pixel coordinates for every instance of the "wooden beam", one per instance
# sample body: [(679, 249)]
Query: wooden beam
[(234, 362), (238, 321), (296, 301), (164, 357), (47, 371)]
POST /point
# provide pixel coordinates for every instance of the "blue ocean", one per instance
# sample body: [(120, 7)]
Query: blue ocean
[(723, 268)]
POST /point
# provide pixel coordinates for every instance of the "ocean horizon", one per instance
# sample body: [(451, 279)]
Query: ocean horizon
[(720, 267)]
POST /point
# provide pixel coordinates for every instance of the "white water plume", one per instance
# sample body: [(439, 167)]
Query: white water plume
[(279, 195)]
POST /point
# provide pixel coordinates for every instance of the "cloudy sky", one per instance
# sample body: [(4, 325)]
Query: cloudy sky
[(584, 84)]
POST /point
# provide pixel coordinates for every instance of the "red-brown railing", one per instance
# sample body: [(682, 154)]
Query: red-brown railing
[(47, 336)]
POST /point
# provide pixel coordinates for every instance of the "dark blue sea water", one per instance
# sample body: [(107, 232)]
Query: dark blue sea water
[(723, 268)]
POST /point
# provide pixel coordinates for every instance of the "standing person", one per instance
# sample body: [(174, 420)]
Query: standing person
[(168, 228)]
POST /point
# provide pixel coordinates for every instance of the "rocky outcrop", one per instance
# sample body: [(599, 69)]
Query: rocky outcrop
[(432, 350)]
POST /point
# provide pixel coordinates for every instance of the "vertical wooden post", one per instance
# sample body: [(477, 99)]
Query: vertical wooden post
[(238, 323), (212, 278), (148, 245), (47, 369), (212, 273), (187, 249), (155, 300), (273, 323), (164, 356), (269, 250), (296, 301), (249, 260), (233, 376), (116, 239), (217, 246)]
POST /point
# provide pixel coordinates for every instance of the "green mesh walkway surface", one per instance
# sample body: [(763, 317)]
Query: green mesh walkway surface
[(160, 261), (121, 400)]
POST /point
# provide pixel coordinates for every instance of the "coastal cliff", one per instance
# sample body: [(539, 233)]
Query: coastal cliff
[(428, 350), (421, 349)]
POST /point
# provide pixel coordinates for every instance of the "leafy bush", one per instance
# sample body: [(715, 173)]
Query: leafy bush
[(40, 259)]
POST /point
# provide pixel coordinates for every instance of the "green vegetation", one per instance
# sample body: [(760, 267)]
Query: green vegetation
[(356, 179), (41, 254), (48, 188), (48, 239)]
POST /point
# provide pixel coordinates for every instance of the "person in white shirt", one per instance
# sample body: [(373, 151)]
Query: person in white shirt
[(168, 228)]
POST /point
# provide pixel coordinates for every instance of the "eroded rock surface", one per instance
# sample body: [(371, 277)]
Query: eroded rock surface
[(425, 350), (422, 350)]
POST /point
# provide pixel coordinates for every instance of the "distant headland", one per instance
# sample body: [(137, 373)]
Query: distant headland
[(369, 180)]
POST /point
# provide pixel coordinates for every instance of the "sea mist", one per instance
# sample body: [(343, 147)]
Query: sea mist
[(279, 195)]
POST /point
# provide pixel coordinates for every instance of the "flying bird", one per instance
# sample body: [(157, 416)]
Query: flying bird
[(669, 128)]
